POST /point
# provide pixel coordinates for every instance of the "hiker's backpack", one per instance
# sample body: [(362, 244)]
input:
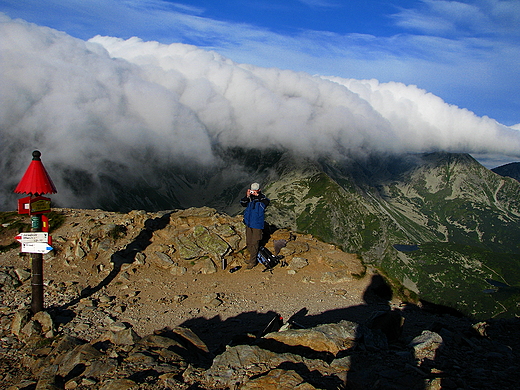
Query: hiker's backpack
[(266, 258)]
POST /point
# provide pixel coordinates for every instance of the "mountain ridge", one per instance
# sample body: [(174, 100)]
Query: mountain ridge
[(447, 204), (511, 170)]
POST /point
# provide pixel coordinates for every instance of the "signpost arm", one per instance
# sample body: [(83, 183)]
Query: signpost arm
[(37, 271)]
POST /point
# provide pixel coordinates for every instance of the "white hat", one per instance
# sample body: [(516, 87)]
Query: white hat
[(255, 187)]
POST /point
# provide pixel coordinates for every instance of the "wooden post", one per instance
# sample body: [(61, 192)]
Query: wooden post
[(37, 270)]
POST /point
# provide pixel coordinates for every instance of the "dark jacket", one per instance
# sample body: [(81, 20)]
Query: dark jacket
[(255, 209)]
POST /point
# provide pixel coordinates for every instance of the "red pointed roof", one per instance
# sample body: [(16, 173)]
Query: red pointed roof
[(36, 180)]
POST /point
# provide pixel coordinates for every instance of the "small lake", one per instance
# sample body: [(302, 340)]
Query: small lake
[(406, 248)]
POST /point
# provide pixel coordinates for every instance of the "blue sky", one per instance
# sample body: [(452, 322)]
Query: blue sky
[(466, 52)]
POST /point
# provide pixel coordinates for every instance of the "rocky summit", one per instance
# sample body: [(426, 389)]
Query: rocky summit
[(144, 300)]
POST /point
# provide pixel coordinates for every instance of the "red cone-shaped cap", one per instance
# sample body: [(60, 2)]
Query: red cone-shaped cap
[(36, 180)]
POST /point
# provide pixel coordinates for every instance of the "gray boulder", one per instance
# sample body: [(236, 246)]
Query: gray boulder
[(426, 345)]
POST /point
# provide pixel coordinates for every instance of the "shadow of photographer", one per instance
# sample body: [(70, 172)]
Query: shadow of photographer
[(247, 329)]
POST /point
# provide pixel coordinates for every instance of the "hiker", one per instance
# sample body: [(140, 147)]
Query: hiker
[(255, 202)]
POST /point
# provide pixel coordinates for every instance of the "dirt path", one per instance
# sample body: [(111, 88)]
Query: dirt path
[(224, 304)]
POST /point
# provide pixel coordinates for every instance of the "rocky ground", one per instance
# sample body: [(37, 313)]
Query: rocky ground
[(147, 300)]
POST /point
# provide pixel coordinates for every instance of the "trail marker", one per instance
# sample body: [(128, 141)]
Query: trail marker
[(33, 237), (36, 247)]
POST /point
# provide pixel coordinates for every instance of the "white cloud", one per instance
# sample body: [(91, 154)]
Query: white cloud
[(442, 17), (113, 102), (462, 18), (465, 51), (424, 121)]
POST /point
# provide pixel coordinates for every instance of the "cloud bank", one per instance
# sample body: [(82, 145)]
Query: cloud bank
[(465, 51), (111, 105)]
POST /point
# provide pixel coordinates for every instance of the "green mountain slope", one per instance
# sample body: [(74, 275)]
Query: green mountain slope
[(442, 202)]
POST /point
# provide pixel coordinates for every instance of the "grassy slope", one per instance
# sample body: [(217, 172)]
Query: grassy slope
[(464, 217)]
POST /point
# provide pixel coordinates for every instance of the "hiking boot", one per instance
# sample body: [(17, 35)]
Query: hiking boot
[(251, 266)]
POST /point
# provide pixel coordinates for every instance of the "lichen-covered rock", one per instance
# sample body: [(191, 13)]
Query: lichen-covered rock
[(187, 248), (211, 243), (224, 230)]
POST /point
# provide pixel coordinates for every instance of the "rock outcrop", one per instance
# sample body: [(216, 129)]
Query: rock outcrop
[(105, 266), (328, 356)]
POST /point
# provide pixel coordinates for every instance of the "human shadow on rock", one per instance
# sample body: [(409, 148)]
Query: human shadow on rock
[(383, 353), (244, 328), (366, 355), (376, 297)]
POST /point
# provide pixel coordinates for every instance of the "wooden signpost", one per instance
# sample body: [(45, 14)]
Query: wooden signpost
[(35, 182)]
